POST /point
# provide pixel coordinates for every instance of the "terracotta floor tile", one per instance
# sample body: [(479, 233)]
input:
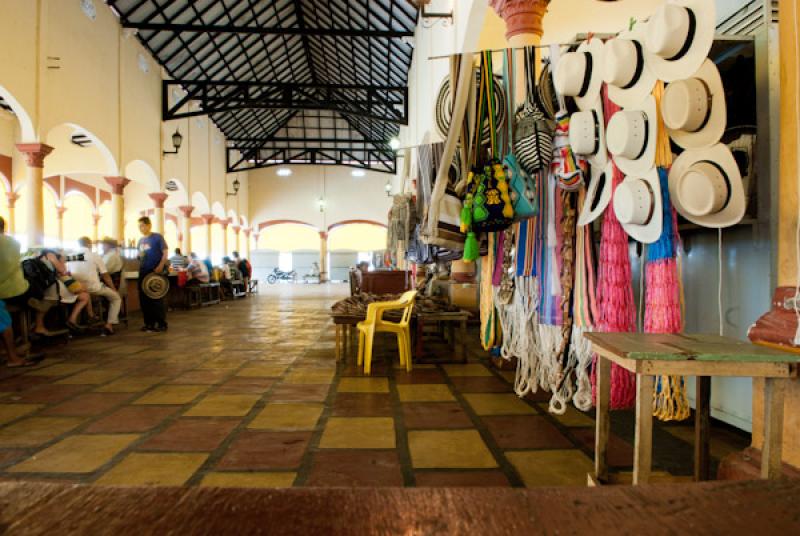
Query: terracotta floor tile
[(435, 415), (419, 375), (12, 412), (252, 450), (379, 368), (498, 404), (509, 375), (451, 449), (246, 385), (201, 377), (88, 404), (222, 363), (34, 431), (299, 393), (572, 417), (358, 433), (223, 405), (470, 369), (12, 456), (460, 479), (248, 480), (363, 385), (76, 454), (91, 377), (153, 469), (355, 468), (47, 394), (262, 370), (429, 392), (130, 384), (551, 467), (620, 452), (191, 435), (480, 384), (287, 417), (526, 432), (61, 369), (362, 405), (172, 394), (132, 419)]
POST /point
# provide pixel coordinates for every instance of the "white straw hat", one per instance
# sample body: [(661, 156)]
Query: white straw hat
[(631, 137), (679, 36), (598, 193), (580, 74), (694, 109), (637, 205), (625, 71), (587, 136), (705, 186)]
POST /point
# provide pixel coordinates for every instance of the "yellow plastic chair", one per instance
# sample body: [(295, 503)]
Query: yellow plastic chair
[(375, 324)]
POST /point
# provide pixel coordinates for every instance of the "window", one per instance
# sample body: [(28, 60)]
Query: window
[(285, 261), (365, 256)]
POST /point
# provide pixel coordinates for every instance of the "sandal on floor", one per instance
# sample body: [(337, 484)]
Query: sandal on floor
[(107, 332), (73, 326), (31, 361)]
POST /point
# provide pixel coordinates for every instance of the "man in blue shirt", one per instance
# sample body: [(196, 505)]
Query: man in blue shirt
[(153, 257)]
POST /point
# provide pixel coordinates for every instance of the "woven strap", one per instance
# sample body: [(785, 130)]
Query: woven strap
[(509, 69)]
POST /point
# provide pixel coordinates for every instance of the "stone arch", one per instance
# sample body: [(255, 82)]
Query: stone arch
[(288, 235), (200, 203), (27, 132), (68, 158), (357, 235), (179, 196), (141, 172)]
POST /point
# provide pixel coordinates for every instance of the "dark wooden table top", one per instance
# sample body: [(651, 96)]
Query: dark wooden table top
[(750, 507)]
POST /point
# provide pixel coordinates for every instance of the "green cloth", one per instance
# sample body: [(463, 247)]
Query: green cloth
[(12, 281)]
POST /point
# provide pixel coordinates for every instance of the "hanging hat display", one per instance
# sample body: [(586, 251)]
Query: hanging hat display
[(598, 194), (579, 74), (444, 107), (625, 71), (679, 36), (155, 286), (631, 137), (637, 204), (587, 135), (706, 187), (694, 109)]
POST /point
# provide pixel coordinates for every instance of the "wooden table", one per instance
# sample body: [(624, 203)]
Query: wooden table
[(648, 355), (345, 334)]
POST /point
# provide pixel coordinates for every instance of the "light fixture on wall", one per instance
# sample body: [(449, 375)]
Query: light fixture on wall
[(321, 203), (358, 173), (388, 188), (394, 143), (236, 185), (284, 172), (430, 18), (177, 140)]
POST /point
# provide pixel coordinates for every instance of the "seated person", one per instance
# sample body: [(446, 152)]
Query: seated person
[(14, 288), (178, 261), (59, 292), (209, 266), (198, 272), (225, 276), (243, 266), (113, 261), (86, 272)]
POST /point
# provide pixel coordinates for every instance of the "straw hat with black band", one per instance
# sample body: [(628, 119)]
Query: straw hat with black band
[(694, 109), (598, 193), (579, 74), (631, 137), (705, 186), (679, 36), (637, 205), (155, 286), (587, 135), (627, 74)]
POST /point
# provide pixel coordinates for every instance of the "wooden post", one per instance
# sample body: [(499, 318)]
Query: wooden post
[(643, 441), (771, 456), (702, 427), (603, 419)]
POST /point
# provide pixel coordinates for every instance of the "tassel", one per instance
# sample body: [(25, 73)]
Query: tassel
[(471, 248), (466, 214)]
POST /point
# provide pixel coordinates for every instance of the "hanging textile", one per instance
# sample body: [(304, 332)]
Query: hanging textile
[(487, 309), (616, 307), (663, 284)]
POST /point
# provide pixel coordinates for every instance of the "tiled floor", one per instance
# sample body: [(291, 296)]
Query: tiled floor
[(247, 394)]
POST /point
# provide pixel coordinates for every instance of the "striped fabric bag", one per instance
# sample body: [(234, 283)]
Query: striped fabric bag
[(533, 136)]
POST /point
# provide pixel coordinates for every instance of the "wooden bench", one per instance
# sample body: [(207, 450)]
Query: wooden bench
[(209, 293)]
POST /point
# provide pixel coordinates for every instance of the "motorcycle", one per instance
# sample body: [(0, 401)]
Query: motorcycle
[(279, 275)]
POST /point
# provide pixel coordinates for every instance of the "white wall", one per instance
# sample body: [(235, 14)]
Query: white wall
[(296, 197)]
